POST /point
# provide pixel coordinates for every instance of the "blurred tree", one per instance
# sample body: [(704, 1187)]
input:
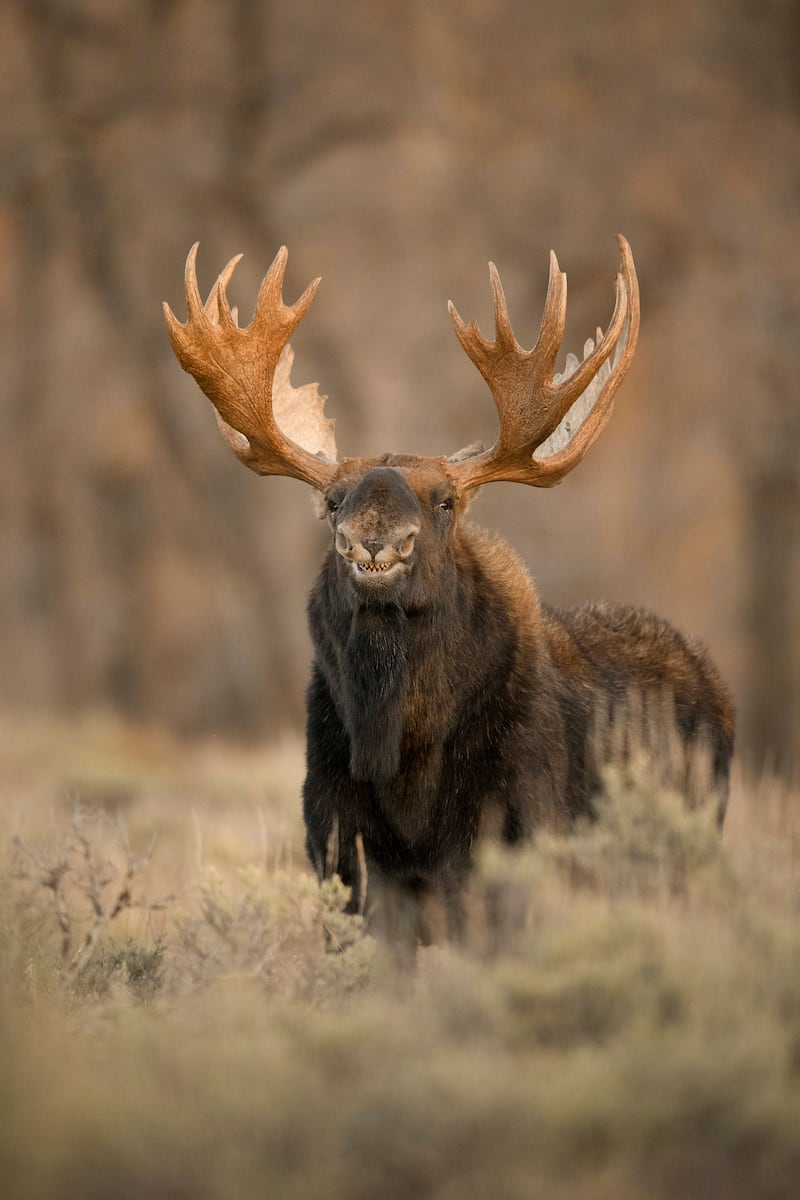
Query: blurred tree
[(394, 147)]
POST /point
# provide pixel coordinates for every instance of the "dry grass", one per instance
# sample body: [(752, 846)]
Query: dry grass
[(626, 1025)]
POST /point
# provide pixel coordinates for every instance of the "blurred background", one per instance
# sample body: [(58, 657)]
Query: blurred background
[(395, 147)]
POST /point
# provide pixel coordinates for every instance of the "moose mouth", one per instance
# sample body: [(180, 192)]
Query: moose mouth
[(377, 571)]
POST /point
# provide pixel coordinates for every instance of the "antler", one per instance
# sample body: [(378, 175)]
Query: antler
[(245, 374), (560, 416)]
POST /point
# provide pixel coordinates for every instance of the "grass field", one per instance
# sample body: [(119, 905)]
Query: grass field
[(174, 1026)]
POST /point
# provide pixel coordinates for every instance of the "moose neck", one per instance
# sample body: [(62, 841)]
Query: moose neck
[(375, 686), (381, 659)]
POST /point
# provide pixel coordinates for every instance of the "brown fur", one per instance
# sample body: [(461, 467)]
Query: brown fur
[(448, 701)]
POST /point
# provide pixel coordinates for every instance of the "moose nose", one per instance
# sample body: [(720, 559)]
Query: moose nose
[(396, 546), (404, 542)]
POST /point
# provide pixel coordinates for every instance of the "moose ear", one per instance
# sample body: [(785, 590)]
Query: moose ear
[(467, 452), (319, 504), (461, 456)]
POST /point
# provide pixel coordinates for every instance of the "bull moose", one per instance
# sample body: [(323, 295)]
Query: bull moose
[(445, 699)]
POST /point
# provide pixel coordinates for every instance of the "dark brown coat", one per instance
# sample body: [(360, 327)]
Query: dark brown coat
[(447, 700)]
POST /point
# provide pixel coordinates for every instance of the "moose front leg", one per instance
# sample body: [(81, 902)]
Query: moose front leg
[(332, 800), (332, 846)]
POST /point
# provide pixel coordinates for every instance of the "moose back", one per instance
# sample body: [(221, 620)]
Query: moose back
[(445, 700)]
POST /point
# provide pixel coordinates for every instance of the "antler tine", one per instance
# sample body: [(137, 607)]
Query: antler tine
[(554, 317), (270, 296), (194, 304), (236, 368), (559, 415), (503, 333), (483, 352), (216, 306), (472, 341)]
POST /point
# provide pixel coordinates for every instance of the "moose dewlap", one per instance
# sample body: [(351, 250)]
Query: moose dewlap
[(445, 699)]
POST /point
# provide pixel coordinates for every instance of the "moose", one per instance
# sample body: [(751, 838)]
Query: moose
[(446, 702)]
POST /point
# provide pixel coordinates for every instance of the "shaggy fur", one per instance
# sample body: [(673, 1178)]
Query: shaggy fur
[(448, 702)]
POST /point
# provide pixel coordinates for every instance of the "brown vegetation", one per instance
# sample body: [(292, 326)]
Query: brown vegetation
[(625, 1029)]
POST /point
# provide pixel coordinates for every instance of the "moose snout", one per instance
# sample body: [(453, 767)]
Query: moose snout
[(393, 546)]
